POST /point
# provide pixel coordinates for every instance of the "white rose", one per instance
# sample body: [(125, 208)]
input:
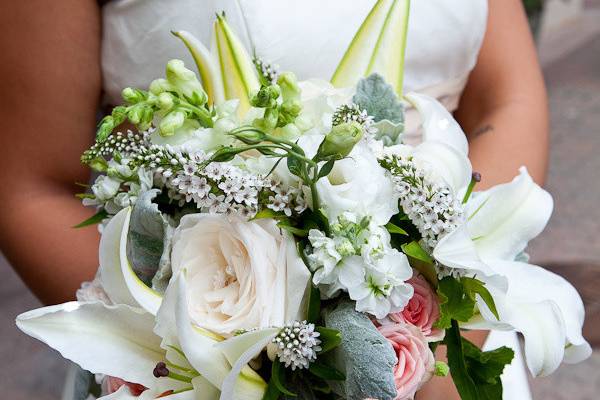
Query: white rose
[(241, 274), (360, 185)]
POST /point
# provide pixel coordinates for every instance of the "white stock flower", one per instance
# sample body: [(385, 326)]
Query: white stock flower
[(105, 187), (242, 275)]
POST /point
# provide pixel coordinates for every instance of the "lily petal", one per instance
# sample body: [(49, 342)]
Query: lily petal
[(377, 47), (502, 220), (241, 80), (239, 350), (110, 272), (549, 314), (457, 250), (147, 298), (112, 340), (198, 344), (446, 162), (207, 67), (437, 123)]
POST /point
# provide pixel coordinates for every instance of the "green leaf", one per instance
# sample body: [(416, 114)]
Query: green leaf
[(326, 169), (272, 393), (395, 229), (93, 220), (458, 366), (414, 250), (326, 372), (313, 313), (379, 99), (474, 286), (277, 376), (268, 213), (455, 302), (285, 224), (295, 165), (330, 338)]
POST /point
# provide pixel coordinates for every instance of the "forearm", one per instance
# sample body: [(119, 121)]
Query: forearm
[(36, 234), (506, 138)]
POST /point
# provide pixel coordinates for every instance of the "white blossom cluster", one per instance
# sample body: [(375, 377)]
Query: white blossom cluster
[(297, 345), (432, 207), (353, 113), (269, 71), (214, 188), (357, 257)]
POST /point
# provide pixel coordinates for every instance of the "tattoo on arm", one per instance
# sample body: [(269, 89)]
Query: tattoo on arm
[(482, 130)]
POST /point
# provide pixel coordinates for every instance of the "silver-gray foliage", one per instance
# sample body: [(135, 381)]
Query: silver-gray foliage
[(365, 356), (148, 242), (378, 99)]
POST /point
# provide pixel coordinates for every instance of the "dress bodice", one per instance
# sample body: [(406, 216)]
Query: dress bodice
[(308, 37)]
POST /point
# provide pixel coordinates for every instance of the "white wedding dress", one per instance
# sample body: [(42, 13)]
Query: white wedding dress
[(308, 37)]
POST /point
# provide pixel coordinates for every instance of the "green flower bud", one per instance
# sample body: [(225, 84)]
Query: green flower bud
[(134, 114), (269, 121), (186, 82), (288, 112), (289, 86), (133, 96), (250, 136), (119, 114), (339, 142), (160, 85), (171, 122), (224, 154), (98, 164), (441, 368), (265, 97), (165, 101), (344, 247), (105, 128)]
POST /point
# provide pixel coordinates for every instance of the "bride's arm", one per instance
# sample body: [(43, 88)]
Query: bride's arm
[(51, 82), (504, 112)]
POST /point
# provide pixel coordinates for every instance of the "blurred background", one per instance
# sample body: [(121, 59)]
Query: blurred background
[(568, 36)]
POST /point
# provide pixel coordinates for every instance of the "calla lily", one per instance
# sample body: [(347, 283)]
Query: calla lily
[(378, 46), (549, 314), (241, 80), (122, 284)]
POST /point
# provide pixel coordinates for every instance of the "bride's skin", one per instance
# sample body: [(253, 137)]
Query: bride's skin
[(51, 84)]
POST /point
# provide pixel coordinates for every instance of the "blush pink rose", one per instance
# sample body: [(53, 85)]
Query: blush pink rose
[(415, 360), (422, 310), (110, 384)]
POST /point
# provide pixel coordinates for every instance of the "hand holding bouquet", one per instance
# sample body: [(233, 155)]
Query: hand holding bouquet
[(264, 238)]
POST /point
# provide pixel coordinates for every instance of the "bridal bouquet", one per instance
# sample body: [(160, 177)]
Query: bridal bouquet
[(264, 238)]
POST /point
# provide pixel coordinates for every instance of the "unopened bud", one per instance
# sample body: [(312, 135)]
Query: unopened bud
[(171, 122), (289, 86), (248, 136), (186, 82), (133, 96), (165, 101), (339, 142)]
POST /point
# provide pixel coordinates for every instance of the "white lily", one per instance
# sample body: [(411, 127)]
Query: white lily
[(544, 307), (118, 278), (118, 340)]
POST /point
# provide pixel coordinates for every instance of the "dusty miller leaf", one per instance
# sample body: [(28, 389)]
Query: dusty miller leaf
[(378, 98)]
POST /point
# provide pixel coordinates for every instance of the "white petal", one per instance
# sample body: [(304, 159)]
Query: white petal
[(239, 351), (196, 343), (112, 340), (503, 219), (547, 310), (445, 162), (457, 250), (111, 275), (146, 297), (437, 123), (297, 282)]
